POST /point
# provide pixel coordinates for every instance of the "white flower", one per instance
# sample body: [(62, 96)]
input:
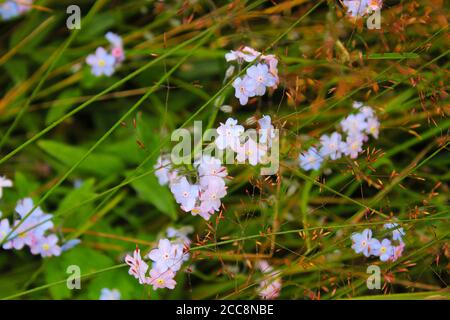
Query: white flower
[(311, 159), (163, 171), (185, 194), (210, 197), (354, 124), (261, 77), (229, 134), (210, 167), (252, 151), (331, 146), (266, 130), (4, 183), (244, 89), (353, 145), (373, 127), (167, 256)]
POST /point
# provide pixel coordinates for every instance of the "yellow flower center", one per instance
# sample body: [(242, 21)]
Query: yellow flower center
[(160, 281), (45, 246), (101, 63)]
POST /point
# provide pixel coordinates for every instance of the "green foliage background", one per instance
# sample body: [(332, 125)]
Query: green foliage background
[(60, 125)]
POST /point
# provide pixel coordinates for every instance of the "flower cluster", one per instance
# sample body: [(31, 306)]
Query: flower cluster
[(258, 77), (357, 128), (270, 286), (110, 294), (11, 9), (31, 231), (231, 135), (167, 260), (359, 8), (384, 249), (202, 198), (104, 62)]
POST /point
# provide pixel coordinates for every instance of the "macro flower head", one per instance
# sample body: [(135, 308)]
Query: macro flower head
[(138, 267), (167, 256), (228, 134), (310, 160), (261, 77), (266, 130), (102, 63), (210, 197), (397, 231), (251, 151), (185, 194), (46, 246), (382, 249), (353, 145), (363, 242), (162, 279), (331, 146), (244, 88)]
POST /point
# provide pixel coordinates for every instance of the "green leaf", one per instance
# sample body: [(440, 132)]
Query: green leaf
[(97, 163), (152, 192), (59, 108), (86, 259)]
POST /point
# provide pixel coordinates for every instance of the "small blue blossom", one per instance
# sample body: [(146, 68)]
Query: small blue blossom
[(109, 294), (101, 62), (244, 89), (331, 146), (311, 159), (9, 10), (70, 244), (262, 78), (397, 233), (383, 249), (363, 242)]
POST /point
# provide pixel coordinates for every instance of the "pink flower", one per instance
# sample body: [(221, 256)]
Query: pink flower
[(252, 151), (167, 256), (46, 246), (160, 280), (210, 197), (138, 267), (270, 289)]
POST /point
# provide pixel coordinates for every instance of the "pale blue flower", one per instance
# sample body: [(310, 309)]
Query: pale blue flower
[(262, 78), (311, 159), (244, 89), (185, 194), (110, 294), (101, 62), (383, 249), (354, 124), (70, 244), (46, 246), (353, 145), (9, 10), (356, 8), (167, 256), (363, 242), (397, 233), (331, 146)]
